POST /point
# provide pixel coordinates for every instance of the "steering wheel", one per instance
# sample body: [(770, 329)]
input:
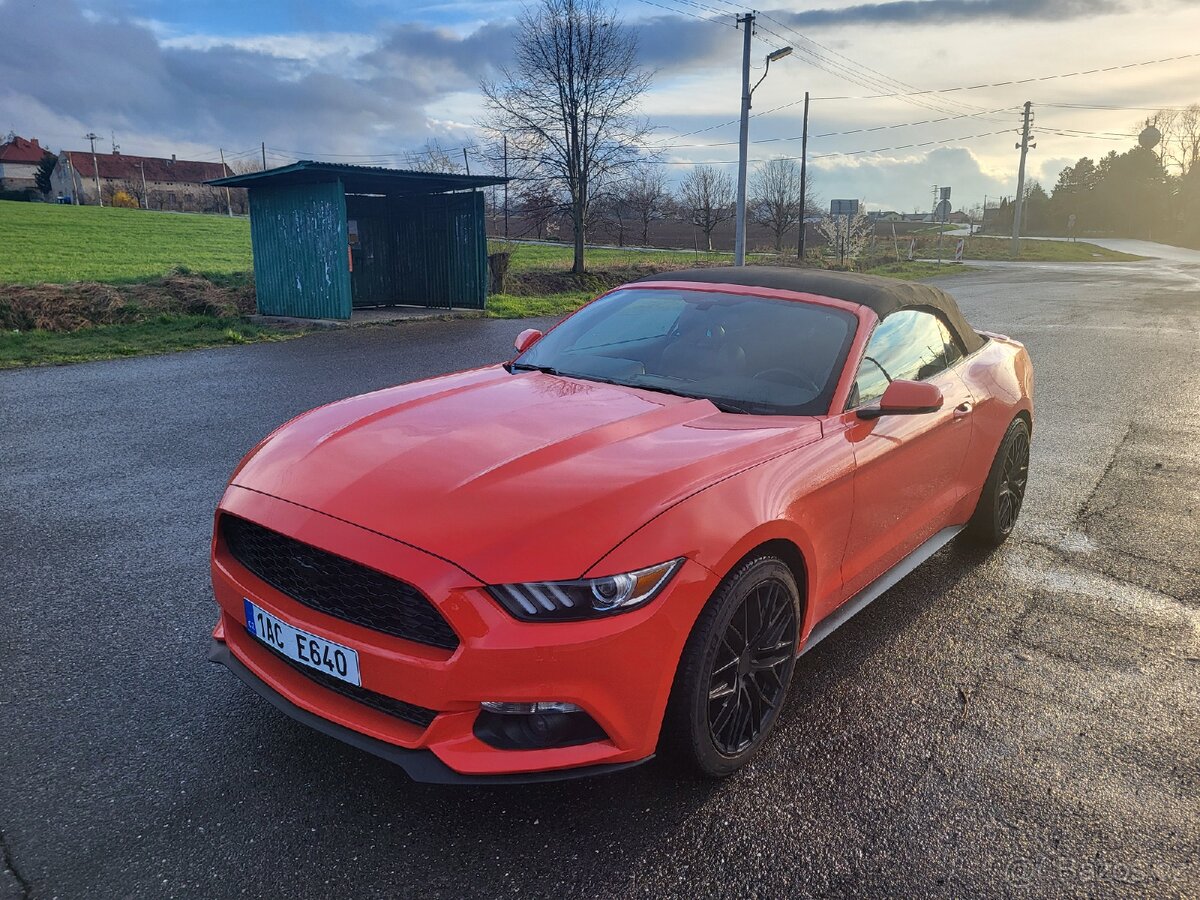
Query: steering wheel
[(787, 376)]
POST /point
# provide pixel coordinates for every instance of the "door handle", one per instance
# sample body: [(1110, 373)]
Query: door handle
[(963, 409)]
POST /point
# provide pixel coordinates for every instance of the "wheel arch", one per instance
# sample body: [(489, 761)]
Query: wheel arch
[(1025, 416), (790, 555), (783, 541)]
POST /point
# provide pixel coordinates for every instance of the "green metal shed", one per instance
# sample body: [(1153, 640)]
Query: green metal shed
[(329, 238)]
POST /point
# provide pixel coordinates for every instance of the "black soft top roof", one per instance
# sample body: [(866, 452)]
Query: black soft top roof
[(883, 295)]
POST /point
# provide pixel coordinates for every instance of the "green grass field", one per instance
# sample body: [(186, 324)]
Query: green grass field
[(1033, 250), (558, 257), (162, 334), (49, 244), (44, 242)]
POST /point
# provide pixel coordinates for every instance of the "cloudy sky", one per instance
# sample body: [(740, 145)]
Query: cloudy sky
[(366, 81)]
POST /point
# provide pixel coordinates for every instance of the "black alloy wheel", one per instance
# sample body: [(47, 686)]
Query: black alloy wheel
[(1003, 493), (749, 673), (735, 670), (1013, 476)]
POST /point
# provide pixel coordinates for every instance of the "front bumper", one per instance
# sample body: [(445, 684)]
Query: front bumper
[(618, 669), (419, 765)]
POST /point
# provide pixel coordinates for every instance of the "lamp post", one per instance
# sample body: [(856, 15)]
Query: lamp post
[(739, 240)]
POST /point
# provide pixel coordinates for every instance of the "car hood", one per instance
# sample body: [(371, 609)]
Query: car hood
[(511, 476)]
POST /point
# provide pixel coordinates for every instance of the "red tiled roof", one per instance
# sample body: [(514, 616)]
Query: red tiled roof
[(19, 150), (129, 168)]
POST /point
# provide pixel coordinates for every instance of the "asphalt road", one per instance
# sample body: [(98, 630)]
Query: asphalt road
[(1024, 723)]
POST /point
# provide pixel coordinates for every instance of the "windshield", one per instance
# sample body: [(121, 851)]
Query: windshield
[(746, 354)]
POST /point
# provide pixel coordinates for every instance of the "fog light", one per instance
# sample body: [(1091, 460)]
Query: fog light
[(535, 726), (527, 709)]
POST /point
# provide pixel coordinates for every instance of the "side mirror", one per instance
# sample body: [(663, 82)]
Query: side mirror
[(905, 398), (527, 339)]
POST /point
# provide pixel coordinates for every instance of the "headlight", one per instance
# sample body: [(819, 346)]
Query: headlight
[(587, 598)]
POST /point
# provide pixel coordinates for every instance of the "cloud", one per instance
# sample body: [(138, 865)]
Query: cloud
[(940, 12), (118, 74), (893, 182)]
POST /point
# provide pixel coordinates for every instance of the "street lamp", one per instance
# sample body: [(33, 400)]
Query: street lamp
[(739, 240)]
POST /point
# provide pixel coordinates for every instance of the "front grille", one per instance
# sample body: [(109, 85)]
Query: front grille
[(409, 712), (336, 586)]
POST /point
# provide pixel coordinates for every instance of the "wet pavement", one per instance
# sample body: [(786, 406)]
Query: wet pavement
[(1021, 723)]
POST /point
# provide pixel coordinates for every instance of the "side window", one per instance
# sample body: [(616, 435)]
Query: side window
[(908, 344), (953, 350)]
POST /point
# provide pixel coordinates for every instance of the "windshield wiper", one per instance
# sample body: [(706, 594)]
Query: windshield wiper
[(723, 405), (529, 367)]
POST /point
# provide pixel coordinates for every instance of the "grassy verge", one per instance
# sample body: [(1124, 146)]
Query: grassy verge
[(45, 242), (162, 334), (1032, 250), (541, 258), (540, 283), (915, 270), (510, 306)]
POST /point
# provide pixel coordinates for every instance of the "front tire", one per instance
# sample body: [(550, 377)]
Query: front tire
[(1004, 491), (735, 670)]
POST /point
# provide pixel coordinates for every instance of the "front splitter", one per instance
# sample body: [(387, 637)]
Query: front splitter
[(419, 765)]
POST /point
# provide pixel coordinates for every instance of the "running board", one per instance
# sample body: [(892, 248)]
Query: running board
[(872, 591)]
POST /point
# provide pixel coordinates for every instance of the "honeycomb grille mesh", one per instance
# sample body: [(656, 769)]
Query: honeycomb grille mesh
[(336, 586)]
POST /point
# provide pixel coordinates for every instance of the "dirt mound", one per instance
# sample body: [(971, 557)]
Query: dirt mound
[(70, 307)]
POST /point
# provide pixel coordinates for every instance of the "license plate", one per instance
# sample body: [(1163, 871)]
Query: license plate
[(306, 649)]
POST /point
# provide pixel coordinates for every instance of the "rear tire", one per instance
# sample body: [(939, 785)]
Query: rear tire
[(1004, 491), (735, 670)]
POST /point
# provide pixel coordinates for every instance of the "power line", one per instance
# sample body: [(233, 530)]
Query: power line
[(684, 12), (876, 81), (1126, 108), (827, 134), (973, 87), (404, 154), (1106, 135), (994, 84), (912, 146)]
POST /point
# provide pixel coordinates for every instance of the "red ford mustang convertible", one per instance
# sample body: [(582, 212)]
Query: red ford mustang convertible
[(619, 542)]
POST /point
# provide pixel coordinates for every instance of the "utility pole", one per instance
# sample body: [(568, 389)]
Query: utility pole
[(506, 187), (93, 137), (76, 187), (264, 154), (803, 181), (943, 195), (739, 229), (1024, 146), (145, 193), (224, 172)]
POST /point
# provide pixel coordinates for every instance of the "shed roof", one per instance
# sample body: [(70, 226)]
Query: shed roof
[(361, 179)]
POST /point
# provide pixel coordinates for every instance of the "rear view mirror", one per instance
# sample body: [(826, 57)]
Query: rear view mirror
[(905, 398), (527, 339)]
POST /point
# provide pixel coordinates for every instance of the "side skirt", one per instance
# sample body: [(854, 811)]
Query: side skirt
[(872, 591)]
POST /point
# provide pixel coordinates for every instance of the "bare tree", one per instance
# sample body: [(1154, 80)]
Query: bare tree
[(567, 103), (433, 158), (707, 195), (847, 235), (646, 197), (611, 209), (775, 190), (1180, 128), (538, 206)]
